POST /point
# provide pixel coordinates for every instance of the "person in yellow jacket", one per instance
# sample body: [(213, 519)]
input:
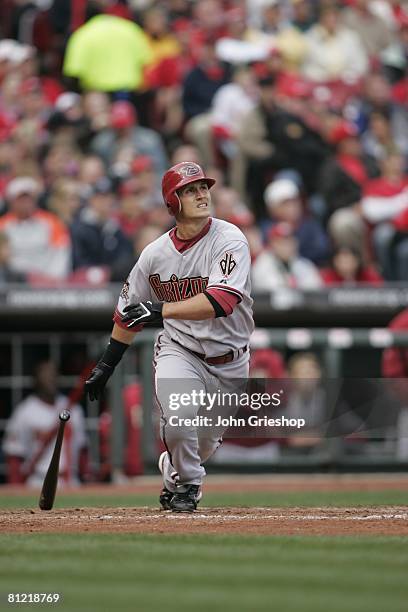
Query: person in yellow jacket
[(107, 53)]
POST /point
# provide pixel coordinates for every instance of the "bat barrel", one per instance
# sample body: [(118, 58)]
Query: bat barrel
[(49, 487)]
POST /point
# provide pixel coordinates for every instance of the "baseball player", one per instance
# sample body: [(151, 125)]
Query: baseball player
[(196, 277)]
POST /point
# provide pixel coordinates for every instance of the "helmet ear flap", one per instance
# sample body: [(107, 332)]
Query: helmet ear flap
[(173, 203)]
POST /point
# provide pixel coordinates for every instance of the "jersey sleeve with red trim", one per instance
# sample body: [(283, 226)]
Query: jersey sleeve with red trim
[(230, 268), (226, 301), (135, 289)]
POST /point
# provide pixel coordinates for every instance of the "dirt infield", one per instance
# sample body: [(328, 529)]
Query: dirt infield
[(273, 521), (386, 520)]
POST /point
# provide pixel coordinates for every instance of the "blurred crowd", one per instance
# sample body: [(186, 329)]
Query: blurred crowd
[(297, 107)]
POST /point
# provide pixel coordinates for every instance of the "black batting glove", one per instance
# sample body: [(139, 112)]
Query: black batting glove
[(143, 312), (103, 370), (95, 384)]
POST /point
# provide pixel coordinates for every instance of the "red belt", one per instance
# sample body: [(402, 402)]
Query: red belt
[(219, 359)]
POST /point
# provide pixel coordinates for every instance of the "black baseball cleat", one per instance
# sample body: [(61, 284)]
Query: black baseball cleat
[(187, 500), (165, 498)]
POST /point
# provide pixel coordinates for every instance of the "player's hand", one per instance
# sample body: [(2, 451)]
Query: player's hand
[(143, 312), (98, 379)]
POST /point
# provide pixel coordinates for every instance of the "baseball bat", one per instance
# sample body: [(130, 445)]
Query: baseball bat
[(49, 487)]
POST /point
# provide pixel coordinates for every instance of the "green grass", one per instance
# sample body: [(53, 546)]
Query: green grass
[(156, 573), (203, 573), (267, 498)]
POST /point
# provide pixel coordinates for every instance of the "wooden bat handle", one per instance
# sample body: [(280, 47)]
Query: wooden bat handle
[(51, 478)]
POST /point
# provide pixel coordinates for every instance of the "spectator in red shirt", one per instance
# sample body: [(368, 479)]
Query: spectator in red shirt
[(395, 359), (267, 363), (342, 181), (199, 89), (165, 73), (400, 91), (386, 196), (344, 174), (385, 205), (125, 130), (348, 269)]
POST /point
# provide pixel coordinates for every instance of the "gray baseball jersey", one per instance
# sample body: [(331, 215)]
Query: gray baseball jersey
[(169, 269)]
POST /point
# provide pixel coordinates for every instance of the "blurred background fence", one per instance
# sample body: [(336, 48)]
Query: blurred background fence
[(71, 327), (298, 109)]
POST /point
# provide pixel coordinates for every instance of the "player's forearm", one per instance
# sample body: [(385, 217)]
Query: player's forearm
[(122, 335), (197, 308), (118, 344)]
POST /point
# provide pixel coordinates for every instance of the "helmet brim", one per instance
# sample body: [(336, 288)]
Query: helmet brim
[(210, 182)]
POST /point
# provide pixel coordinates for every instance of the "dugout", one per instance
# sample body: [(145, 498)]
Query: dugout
[(345, 326)]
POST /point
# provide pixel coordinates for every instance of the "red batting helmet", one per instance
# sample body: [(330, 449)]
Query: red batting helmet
[(177, 176)]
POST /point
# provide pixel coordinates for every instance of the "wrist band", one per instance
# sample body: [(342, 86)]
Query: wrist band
[(114, 352), (218, 309)]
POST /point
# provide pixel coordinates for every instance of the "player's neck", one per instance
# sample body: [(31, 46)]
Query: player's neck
[(187, 229)]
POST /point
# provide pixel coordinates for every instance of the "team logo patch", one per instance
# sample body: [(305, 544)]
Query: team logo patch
[(177, 289), (124, 294), (227, 264), (190, 170)]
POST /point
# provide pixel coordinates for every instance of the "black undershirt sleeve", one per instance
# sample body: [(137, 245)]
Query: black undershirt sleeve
[(219, 311)]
